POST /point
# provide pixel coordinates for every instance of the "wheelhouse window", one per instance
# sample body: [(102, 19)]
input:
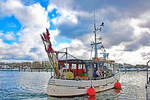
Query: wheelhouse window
[(83, 66), (74, 66), (94, 65), (67, 66), (105, 64), (79, 66)]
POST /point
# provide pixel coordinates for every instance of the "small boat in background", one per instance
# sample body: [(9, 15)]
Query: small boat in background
[(73, 76)]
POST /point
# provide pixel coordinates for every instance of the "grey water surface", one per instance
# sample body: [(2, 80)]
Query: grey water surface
[(16, 85)]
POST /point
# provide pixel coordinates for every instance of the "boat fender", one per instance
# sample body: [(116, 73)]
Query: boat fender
[(91, 91), (117, 85)]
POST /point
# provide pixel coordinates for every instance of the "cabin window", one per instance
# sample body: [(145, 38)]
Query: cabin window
[(83, 66), (104, 64), (110, 65), (74, 66), (94, 65), (79, 66), (67, 66)]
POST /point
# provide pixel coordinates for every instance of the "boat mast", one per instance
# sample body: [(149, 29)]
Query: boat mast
[(95, 43), (66, 56), (95, 38)]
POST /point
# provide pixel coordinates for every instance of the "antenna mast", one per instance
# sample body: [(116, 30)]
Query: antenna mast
[(95, 39)]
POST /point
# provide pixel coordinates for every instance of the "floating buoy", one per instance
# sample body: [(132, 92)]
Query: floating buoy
[(91, 91), (117, 85)]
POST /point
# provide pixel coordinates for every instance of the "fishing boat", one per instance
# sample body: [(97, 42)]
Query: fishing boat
[(73, 76)]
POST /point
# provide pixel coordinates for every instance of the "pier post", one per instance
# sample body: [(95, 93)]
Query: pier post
[(147, 71)]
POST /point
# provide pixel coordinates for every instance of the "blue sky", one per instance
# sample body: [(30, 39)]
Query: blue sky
[(125, 35)]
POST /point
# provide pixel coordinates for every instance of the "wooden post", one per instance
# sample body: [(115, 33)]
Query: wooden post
[(147, 71)]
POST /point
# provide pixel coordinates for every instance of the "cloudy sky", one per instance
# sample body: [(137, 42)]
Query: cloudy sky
[(126, 34)]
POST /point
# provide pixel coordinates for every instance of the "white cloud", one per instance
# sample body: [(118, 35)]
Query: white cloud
[(1, 43), (68, 15), (123, 30), (137, 29), (118, 54), (75, 48), (34, 20), (9, 36), (29, 16)]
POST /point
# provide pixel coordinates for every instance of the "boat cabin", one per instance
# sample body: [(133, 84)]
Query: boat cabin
[(74, 66), (87, 69)]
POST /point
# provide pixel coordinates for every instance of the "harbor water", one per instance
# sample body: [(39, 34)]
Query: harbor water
[(16, 85)]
